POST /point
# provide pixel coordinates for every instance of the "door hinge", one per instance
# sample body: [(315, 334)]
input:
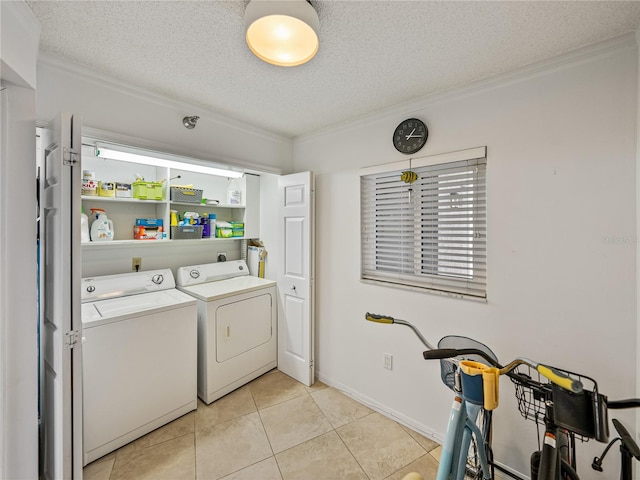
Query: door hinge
[(70, 157), (70, 339)]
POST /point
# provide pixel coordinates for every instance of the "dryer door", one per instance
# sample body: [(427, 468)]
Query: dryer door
[(242, 326)]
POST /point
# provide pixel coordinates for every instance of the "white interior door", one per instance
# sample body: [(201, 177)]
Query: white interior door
[(296, 277), (61, 323)]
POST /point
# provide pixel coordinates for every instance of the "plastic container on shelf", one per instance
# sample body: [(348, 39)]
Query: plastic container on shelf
[(147, 190), (185, 194), (212, 224), (123, 190), (186, 232), (89, 183), (84, 228), (102, 228), (106, 189), (95, 213), (206, 226)]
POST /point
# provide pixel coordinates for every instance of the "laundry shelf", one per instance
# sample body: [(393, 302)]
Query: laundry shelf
[(152, 243), (96, 198), (211, 206)]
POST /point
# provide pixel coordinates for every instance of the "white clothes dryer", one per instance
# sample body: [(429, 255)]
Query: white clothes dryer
[(237, 325), (138, 357)]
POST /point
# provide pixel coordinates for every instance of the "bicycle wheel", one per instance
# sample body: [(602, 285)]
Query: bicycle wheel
[(474, 468)]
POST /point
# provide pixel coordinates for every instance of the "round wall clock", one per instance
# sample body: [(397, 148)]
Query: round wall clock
[(410, 136)]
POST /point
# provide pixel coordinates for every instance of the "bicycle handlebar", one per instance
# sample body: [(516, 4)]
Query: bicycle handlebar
[(554, 375), (559, 378), (444, 353), (372, 317), (626, 403)]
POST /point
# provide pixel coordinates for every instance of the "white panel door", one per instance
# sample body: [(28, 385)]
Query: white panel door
[(60, 299), (296, 277)]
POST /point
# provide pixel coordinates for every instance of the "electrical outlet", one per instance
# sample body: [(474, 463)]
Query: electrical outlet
[(388, 361), (222, 256), (136, 264)]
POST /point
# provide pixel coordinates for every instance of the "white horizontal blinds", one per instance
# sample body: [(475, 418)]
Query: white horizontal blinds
[(393, 225), (453, 218), (431, 234)]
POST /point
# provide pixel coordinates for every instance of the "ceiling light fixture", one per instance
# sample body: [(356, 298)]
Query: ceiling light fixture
[(282, 32), (157, 159)]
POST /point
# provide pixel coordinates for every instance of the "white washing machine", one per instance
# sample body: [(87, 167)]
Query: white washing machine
[(138, 357), (237, 325)]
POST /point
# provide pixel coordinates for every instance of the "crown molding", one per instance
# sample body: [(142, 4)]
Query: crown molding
[(57, 62), (544, 67)]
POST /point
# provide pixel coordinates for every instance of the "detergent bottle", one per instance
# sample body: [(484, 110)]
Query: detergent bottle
[(102, 228), (206, 225), (84, 227)]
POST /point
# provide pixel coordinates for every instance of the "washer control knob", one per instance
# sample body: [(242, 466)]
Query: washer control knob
[(157, 279), (91, 289), (194, 274), (240, 267)]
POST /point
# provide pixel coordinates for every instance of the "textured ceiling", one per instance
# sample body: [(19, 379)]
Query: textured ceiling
[(373, 54)]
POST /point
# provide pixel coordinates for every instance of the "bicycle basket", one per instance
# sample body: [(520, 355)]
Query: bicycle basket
[(448, 368), (584, 413)]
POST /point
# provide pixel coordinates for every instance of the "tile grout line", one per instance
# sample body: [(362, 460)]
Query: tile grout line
[(333, 428), (273, 455)]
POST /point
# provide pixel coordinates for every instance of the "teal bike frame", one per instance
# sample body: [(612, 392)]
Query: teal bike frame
[(461, 427)]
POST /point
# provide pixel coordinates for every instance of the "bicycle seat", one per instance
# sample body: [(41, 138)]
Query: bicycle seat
[(627, 439)]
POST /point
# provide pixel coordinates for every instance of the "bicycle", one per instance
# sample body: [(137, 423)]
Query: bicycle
[(570, 412), (476, 388)]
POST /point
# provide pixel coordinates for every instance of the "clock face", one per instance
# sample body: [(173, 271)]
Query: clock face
[(410, 136)]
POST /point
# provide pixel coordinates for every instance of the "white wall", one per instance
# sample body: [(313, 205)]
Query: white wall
[(561, 140), (120, 112), (269, 233), (18, 280)]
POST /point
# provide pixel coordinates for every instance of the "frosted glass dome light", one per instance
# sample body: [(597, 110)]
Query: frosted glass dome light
[(282, 32)]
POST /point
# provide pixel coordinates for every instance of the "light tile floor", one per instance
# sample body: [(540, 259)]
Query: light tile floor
[(274, 428)]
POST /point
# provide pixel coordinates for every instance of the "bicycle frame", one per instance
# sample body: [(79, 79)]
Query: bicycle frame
[(460, 428)]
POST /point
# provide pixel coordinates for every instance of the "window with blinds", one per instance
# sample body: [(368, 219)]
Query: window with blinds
[(428, 234)]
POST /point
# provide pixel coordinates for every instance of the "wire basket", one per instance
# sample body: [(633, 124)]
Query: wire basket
[(449, 367), (583, 414), (186, 195)]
